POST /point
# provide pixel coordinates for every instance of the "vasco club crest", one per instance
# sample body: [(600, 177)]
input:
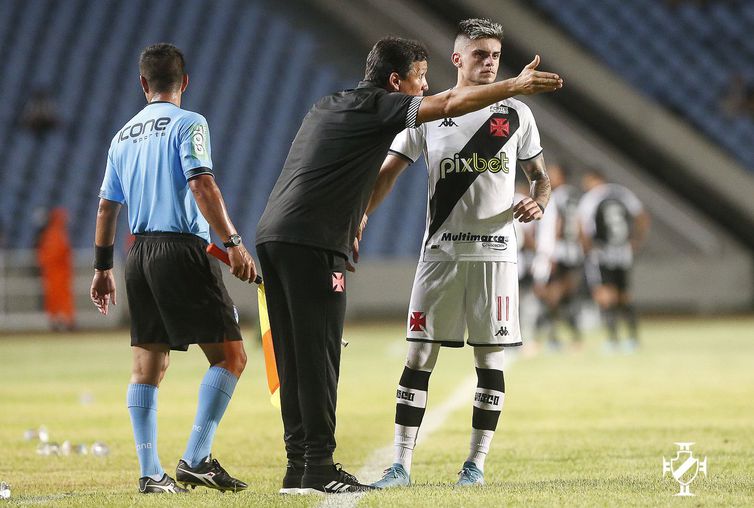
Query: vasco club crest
[(684, 468)]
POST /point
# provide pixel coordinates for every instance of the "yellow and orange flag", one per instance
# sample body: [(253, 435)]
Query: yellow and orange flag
[(273, 382)]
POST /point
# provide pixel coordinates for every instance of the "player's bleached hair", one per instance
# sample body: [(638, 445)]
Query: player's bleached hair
[(163, 66), (393, 54), (479, 28)]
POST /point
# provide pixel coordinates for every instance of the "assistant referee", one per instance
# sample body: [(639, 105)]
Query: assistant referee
[(308, 229), (160, 166)]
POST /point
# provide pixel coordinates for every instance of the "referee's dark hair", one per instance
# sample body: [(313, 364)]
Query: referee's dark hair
[(163, 66), (393, 54)]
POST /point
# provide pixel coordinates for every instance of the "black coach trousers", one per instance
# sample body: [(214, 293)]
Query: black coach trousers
[(306, 302)]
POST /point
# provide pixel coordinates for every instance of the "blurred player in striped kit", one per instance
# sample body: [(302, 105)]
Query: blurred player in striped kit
[(615, 226), (557, 268)]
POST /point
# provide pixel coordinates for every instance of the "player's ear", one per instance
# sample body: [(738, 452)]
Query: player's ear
[(394, 82), (184, 83), (455, 58), (144, 84)]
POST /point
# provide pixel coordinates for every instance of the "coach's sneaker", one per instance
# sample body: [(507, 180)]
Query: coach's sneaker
[(394, 476), (470, 475), (208, 473), (166, 485), (330, 479), (292, 479)]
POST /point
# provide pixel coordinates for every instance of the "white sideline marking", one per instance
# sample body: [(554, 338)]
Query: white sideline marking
[(433, 420)]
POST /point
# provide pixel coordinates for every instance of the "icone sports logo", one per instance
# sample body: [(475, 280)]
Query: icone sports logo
[(137, 129), (474, 164)]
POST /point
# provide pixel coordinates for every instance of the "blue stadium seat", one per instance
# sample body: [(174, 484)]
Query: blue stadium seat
[(86, 52), (682, 56)]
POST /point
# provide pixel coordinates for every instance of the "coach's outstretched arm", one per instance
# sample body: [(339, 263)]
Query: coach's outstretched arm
[(210, 201), (461, 100), (102, 291)]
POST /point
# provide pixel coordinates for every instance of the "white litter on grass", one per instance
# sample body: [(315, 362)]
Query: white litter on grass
[(99, 449)]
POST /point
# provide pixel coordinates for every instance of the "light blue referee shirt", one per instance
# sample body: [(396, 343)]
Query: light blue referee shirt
[(148, 167)]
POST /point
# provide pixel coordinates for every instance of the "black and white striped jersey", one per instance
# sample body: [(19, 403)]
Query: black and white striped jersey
[(607, 214), (558, 231), (471, 163)]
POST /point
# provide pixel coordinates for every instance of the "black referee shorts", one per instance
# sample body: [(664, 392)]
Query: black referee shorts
[(176, 294)]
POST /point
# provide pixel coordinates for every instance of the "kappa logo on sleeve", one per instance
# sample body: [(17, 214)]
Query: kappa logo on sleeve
[(338, 282)]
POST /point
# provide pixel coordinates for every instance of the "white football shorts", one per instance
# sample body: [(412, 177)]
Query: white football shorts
[(450, 297)]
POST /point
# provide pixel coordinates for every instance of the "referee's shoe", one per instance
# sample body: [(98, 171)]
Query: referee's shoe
[(165, 485), (207, 473), (330, 479)]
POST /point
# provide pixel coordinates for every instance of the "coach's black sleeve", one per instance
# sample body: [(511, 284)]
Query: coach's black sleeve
[(398, 111)]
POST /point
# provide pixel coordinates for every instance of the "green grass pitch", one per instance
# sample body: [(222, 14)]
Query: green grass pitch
[(578, 429)]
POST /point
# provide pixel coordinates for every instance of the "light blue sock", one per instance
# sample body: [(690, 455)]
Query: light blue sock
[(214, 395), (142, 406)]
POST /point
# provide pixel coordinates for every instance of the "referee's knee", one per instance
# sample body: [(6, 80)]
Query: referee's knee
[(235, 360)]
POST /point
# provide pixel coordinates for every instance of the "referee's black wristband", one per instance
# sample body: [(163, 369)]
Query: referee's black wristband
[(103, 257)]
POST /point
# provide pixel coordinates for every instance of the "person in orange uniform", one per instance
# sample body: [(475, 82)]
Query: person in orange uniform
[(56, 264)]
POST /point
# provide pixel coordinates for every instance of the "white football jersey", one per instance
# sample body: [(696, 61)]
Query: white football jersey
[(471, 161)]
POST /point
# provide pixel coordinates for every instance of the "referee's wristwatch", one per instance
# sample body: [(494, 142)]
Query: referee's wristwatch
[(233, 241)]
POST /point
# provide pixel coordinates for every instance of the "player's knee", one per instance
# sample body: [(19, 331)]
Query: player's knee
[(489, 358), (422, 356)]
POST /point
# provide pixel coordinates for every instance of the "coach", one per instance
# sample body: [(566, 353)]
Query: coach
[(308, 229), (160, 166)]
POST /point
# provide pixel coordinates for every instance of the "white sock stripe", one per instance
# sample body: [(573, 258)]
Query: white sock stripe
[(490, 400), (411, 397)]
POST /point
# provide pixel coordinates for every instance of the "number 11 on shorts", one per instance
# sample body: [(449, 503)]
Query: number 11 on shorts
[(500, 308)]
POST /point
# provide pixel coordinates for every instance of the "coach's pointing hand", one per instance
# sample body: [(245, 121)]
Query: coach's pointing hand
[(241, 264), (531, 81)]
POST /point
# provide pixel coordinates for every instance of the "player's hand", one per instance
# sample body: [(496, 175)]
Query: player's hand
[(531, 81), (241, 264), (527, 210), (102, 291)]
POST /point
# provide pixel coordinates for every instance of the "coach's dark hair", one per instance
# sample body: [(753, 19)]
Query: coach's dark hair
[(393, 54), (163, 66), (479, 28)]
